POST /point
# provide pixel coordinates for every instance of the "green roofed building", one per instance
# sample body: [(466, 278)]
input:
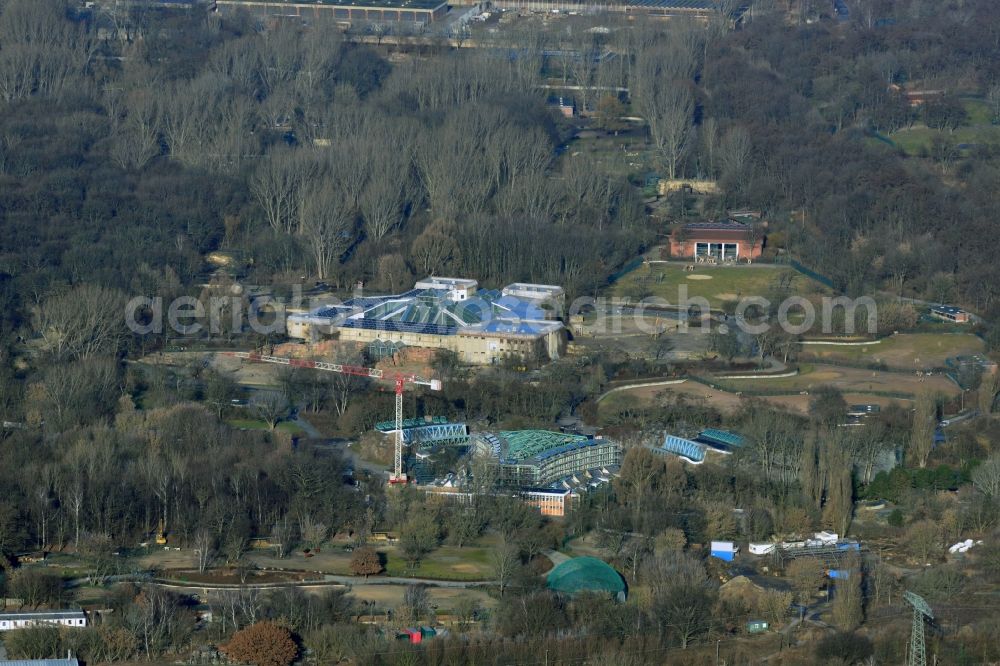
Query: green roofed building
[(586, 574), (538, 458)]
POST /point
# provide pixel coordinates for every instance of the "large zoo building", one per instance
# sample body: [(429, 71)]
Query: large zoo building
[(481, 326), (539, 458)]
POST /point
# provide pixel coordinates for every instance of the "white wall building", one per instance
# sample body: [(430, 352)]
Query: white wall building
[(64, 618)]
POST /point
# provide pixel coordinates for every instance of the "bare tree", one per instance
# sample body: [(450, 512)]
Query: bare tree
[(190, 113), (871, 444), (670, 116), (313, 532), (281, 536), (82, 322), (275, 187), (433, 250), (381, 201), (42, 52), (204, 549), (734, 154), (73, 393), (924, 422), (327, 226), (136, 138), (986, 477), (269, 406), (993, 97), (343, 385), (505, 560), (989, 387)]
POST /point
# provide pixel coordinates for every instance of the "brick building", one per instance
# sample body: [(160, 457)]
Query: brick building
[(727, 241)]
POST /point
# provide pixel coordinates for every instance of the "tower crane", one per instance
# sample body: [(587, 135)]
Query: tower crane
[(401, 380)]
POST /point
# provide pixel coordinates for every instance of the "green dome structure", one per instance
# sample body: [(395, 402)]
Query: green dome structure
[(586, 574)]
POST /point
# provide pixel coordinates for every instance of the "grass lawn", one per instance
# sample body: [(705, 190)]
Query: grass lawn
[(257, 424), (918, 137), (847, 380), (445, 563), (624, 155), (906, 350), (979, 111), (717, 284), (978, 130)]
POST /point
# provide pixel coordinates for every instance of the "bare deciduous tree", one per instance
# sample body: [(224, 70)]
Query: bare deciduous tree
[(81, 323), (327, 226), (381, 201), (505, 560), (924, 422), (269, 406), (986, 477), (275, 186), (204, 549), (734, 154)]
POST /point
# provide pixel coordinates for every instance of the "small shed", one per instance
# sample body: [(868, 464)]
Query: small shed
[(762, 548), (757, 626), (724, 550), (415, 636)]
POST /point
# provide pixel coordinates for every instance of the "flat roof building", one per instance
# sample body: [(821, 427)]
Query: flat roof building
[(727, 241), (343, 11), (698, 9), (63, 618), (950, 313)]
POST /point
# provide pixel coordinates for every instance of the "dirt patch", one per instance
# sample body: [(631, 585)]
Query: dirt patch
[(699, 277), (390, 596), (224, 576), (824, 375), (800, 403), (727, 402)]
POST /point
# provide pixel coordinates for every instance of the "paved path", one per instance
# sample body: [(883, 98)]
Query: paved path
[(556, 557), (328, 580), (634, 385)]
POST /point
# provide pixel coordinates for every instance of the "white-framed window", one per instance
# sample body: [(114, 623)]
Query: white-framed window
[(721, 251)]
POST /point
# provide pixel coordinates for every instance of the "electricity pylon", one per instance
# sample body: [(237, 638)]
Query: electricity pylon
[(917, 654)]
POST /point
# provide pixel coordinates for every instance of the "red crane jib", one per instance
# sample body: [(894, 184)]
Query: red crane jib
[(400, 379)]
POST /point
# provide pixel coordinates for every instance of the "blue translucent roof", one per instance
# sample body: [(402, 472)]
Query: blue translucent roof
[(514, 327), (434, 312), (722, 438), (685, 448), (516, 307)]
